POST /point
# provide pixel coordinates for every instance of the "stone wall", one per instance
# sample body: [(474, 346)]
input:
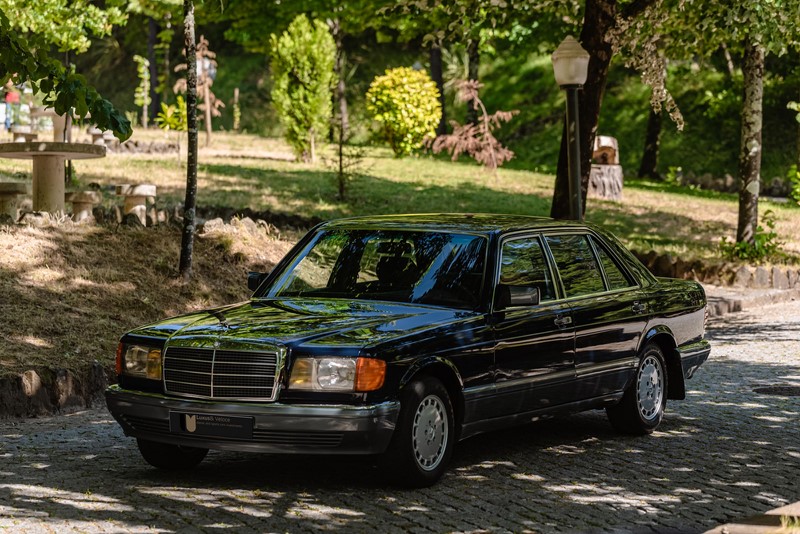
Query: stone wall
[(721, 273), (45, 391)]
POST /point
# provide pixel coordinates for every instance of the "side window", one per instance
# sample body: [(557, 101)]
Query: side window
[(579, 270), (614, 276), (523, 264)]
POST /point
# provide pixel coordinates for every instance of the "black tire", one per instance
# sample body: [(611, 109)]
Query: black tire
[(642, 406), (424, 436), (170, 457)]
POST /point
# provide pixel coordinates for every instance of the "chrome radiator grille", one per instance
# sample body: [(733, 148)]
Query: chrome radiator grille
[(221, 374)]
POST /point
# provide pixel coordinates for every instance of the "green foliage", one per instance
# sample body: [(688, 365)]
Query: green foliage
[(141, 97), (406, 104), (765, 243), (794, 183), (173, 117), (65, 91), (67, 24), (302, 68)]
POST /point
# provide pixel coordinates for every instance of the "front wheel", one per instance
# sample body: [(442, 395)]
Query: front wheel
[(423, 438), (642, 406), (170, 457)]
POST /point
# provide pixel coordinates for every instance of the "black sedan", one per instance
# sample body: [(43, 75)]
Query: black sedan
[(401, 335)]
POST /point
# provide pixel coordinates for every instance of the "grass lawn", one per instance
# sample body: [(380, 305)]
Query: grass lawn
[(68, 292)]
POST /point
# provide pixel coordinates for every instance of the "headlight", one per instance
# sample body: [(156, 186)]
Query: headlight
[(337, 374), (140, 361)]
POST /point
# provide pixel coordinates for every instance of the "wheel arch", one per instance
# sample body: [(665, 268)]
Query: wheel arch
[(446, 372), (662, 336)]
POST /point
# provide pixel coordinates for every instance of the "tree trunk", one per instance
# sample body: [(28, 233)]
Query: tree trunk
[(438, 77), (474, 60), (187, 241), (152, 36), (750, 149), (166, 88), (599, 19), (341, 83), (652, 140)]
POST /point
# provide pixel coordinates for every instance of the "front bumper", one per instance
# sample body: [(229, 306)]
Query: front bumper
[(277, 428)]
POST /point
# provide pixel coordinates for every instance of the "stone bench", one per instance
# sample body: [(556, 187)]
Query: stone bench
[(82, 203), (136, 196), (9, 197), (100, 137), (23, 134)]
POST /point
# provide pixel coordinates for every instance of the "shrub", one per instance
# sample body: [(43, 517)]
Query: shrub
[(302, 69), (406, 104), (476, 140), (765, 243), (794, 184)]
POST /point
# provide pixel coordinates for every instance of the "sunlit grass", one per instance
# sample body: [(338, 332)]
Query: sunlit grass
[(245, 171)]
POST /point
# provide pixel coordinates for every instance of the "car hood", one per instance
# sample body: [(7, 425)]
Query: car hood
[(301, 322)]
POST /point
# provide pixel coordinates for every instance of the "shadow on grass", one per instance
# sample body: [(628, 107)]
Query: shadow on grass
[(313, 193)]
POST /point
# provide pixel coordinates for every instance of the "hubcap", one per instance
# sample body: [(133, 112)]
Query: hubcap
[(429, 433), (650, 388)]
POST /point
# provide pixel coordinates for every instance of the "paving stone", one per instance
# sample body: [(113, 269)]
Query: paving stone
[(724, 453)]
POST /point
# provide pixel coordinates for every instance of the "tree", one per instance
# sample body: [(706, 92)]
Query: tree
[(207, 68), (753, 29), (66, 24), (190, 202), (24, 59), (302, 66)]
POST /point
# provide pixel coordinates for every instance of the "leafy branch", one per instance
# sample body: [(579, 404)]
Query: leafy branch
[(65, 91)]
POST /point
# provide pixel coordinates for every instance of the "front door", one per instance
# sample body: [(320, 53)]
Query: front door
[(534, 345)]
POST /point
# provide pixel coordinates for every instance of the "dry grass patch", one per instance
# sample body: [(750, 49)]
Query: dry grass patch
[(67, 292)]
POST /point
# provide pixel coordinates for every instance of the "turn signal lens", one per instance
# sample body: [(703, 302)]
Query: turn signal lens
[(302, 372), (370, 374)]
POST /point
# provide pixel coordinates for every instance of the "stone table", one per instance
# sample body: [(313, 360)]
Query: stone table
[(59, 121), (48, 168)]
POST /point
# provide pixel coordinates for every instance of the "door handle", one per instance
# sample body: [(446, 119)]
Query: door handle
[(639, 307), (563, 320)]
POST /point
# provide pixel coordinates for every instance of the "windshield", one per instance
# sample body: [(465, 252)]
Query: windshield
[(435, 268)]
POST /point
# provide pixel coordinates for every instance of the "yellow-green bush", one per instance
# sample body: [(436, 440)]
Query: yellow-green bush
[(406, 104)]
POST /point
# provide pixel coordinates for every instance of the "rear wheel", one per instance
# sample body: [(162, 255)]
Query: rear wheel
[(170, 457), (642, 406), (423, 438)]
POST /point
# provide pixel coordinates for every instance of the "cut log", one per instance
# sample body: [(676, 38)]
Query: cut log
[(605, 181)]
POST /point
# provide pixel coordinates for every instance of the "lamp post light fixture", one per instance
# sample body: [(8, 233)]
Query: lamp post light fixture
[(571, 66)]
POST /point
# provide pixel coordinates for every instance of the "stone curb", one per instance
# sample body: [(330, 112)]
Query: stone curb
[(722, 300), (768, 523)]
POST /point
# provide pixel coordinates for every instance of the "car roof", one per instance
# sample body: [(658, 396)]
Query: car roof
[(485, 223)]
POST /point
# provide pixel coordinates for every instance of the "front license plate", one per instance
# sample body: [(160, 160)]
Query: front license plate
[(218, 426)]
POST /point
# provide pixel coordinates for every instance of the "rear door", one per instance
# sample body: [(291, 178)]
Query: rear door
[(608, 312)]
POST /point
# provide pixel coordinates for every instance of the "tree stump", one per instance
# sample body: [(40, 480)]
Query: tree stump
[(605, 181)]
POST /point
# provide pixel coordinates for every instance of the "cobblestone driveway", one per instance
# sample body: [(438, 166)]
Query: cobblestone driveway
[(723, 453)]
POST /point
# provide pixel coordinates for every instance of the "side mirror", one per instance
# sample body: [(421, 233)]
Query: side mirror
[(508, 296), (254, 279)]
